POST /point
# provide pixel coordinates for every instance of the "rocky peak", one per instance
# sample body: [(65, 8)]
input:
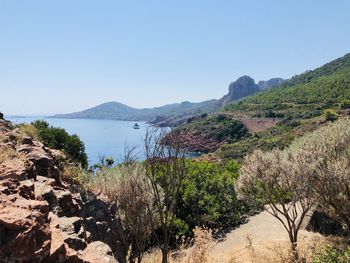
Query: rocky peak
[(246, 86), (242, 87)]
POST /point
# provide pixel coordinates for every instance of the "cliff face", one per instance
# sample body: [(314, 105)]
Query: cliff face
[(242, 87), (42, 218), (246, 86)]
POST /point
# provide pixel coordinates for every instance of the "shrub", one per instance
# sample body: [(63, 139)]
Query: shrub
[(332, 255), (330, 115), (28, 130), (58, 138), (75, 174), (326, 154), (128, 186), (345, 104), (279, 179), (208, 198), (203, 242)]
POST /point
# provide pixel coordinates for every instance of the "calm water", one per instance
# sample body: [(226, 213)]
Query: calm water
[(101, 137)]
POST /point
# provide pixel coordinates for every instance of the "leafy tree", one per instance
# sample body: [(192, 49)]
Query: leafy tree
[(326, 154), (58, 138), (166, 171), (279, 179), (208, 198), (313, 169)]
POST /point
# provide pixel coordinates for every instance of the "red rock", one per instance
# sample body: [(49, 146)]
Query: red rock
[(57, 249), (98, 252)]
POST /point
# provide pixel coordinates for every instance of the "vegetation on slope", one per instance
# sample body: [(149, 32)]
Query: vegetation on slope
[(314, 170), (57, 138), (306, 95), (301, 104), (207, 132)]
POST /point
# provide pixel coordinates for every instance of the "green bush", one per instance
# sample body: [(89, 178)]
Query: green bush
[(58, 138), (345, 104), (332, 255), (330, 115), (208, 198)]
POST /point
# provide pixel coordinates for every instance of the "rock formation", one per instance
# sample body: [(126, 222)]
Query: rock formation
[(242, 87), (42, 218), (246, 86)]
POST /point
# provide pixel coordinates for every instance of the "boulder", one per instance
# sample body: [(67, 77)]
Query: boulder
[(58, 248), (27, 140), (44, 163), (67, 204), (98, 252), (25, 231)]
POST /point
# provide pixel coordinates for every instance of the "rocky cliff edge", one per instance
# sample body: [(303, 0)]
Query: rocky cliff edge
[(42, 219)]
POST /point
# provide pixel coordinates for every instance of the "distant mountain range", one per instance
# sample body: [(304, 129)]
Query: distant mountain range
[(176, 113)]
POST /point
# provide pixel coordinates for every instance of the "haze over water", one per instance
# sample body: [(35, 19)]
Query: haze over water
[(101, 137)]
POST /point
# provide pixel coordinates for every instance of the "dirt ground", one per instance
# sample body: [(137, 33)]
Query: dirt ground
[(261, 240)]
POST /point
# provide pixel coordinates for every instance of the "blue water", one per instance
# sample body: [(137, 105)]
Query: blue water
[(101, 137)]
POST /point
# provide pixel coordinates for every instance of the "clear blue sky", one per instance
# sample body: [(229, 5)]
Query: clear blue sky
[(68, 55)]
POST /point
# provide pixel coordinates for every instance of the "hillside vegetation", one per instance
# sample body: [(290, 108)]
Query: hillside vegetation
[(305, 95), (298, 105)]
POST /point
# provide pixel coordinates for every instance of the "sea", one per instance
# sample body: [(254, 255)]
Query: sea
[(102, 138)]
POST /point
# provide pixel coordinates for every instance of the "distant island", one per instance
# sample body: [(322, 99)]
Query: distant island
[(176, 113)]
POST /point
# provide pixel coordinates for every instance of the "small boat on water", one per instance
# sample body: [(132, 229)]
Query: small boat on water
[(136, 126)]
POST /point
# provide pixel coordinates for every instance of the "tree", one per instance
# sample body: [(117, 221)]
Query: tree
[(134, 201), (326, 154), (208, 197), (166, 170), (58, 138), (126, 184), (278, 178)]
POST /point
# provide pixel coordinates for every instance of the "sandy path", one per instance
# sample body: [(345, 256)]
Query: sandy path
[(259, 228)]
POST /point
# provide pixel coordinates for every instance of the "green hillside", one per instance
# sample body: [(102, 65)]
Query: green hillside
[(297, 106), (305, 95)]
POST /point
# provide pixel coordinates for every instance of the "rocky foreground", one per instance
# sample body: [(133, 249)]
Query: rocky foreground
[(42, 218)]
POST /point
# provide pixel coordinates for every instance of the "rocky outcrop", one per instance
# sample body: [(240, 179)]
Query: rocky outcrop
[(246, 86), (242, 87), (41, 219)]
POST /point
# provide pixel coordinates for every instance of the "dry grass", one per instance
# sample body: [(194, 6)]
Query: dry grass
[(198, 253), (7, 153), (27, 130), (74, 173), (263, 252)]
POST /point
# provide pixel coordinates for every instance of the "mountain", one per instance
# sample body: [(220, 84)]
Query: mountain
[(246, 86), (274, 115), (307, 93), (119, 111), (176, 113), (242, 87)]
